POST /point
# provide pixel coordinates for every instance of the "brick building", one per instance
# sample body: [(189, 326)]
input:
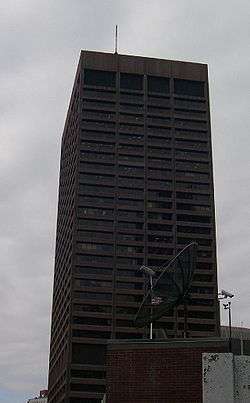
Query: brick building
[(158, 372)]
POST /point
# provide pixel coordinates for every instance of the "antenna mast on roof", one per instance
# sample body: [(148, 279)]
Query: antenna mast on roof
[(116, 38)]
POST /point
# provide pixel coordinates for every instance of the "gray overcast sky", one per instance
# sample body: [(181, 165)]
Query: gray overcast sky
[(40, 42)]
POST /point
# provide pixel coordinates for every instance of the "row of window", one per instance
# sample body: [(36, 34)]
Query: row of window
[(188, 197), (154, 106), (156, 84), (154, 238)]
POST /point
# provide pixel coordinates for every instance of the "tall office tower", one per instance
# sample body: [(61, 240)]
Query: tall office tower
[(135, 187)]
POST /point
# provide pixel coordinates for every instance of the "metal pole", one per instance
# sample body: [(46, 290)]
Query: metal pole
[(241, 340), (116, 38), (185, 319), (230, 326), (151, 323)]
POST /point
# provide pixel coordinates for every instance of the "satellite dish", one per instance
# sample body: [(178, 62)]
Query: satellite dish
[(170, 289)]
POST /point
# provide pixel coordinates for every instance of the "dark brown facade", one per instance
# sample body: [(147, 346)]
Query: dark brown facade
[(135, 187)]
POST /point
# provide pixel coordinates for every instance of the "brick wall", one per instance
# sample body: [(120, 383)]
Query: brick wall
[(157, 372)]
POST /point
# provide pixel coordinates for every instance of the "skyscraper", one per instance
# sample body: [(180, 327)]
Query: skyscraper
[(136, 185)]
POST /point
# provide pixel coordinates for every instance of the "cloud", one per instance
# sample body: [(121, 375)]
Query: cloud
[(40, 44)]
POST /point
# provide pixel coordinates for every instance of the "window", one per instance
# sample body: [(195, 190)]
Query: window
[(128, 262), (163, 205), (126, 310), (131, 202), (95, 200), (129, 249), (91, 321), (159, 216), (203, 302), (129, 237), (93, 295), (128, 336), (95, 212), (202, 290), (160, 238), (76, 373), (158, 84), (129, 273), (128, 298), (95, 247), (193, 218), (87, 388), (99, 78), (94, 224), (159, 227), (189, 87), (76, 400), (86, 282), (88, 354), (93, 270), (130, 215), (131, 286), (131, 81), (93, 259), (193, 196), (92, 308), (193, 230)]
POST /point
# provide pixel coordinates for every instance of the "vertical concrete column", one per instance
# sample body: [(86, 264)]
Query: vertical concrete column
[(218, 378), (242, 379)]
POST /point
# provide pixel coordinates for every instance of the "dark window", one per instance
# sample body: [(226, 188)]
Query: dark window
[(76, 373), (92, 295), (94, 247), (160, 238), (160, 251), (202, 290), (99, 78), (193, 218), (158, 84), (124, 323), (93, 235), (93, 270), (129, 225), (91, 321), (129, 237), (129, 273), (128, 336), (126, 310), (90, 334), (159, 227), (160, 195), (189, 87), (128, 262), (203, 277), (92, 308), (86, 282), (156, 262), (88, 354), (129, 249), (130, 202), (193, 230), (94, 199), (201, 314), (76, 400), (131, 81), (204, 302), (159, 216), (204, 327), (131, 286), (87, 388), (128, 298)]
